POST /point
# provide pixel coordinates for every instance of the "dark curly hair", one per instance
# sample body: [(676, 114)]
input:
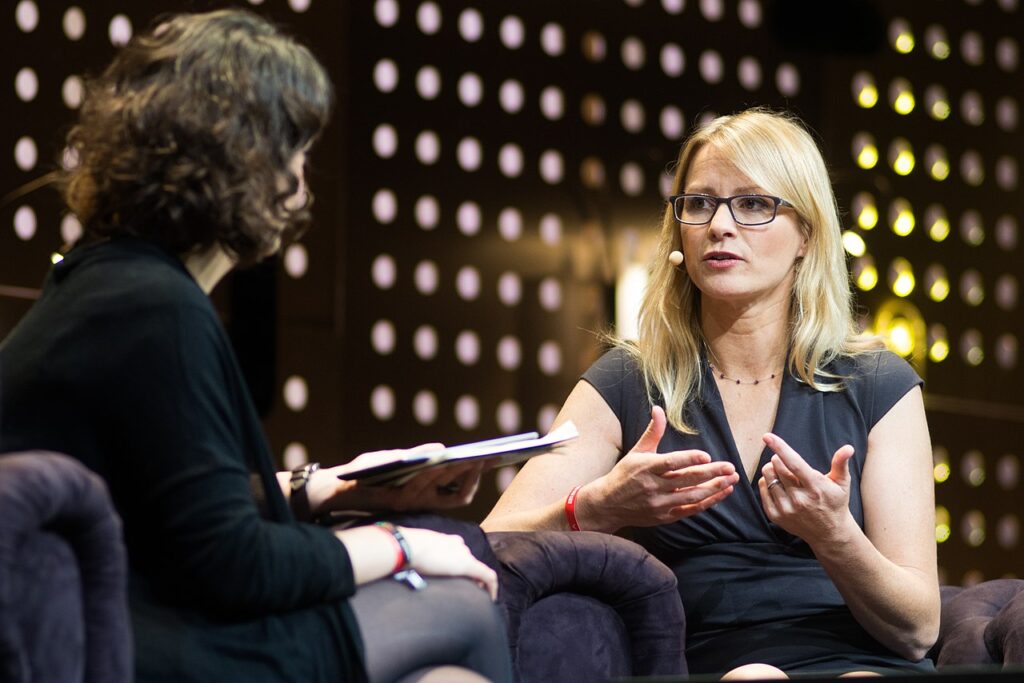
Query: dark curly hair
[(185, 139)]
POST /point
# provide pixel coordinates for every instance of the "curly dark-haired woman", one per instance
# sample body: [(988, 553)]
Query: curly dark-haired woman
[(190, 151)]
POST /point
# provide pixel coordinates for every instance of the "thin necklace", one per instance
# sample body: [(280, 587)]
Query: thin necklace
[(722, 375)]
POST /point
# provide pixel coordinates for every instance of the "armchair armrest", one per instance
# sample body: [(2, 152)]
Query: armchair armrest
[(982, 624), (615, 572)]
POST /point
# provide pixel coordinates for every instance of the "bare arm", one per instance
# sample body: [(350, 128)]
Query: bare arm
[(641, 489), (886, 573)]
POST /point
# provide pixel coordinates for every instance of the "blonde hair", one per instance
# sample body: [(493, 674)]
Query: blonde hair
[(778, 154)]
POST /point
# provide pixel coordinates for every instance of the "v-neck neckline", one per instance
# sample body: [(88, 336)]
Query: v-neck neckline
[(728, 435)]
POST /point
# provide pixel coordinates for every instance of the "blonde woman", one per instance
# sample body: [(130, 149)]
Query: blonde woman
[(776, 460)]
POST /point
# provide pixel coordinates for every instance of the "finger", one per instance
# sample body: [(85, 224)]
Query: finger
[(840, 472), (649, 440), (699, 474), (691, 509), (694, 494), (771, 510), (679, 461), (784, 474), (790, 458)]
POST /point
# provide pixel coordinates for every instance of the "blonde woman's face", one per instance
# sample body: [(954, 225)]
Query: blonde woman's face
[(729, 263)]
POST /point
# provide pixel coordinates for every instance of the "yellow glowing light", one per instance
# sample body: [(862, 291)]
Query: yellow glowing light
[(939, 290), (941, 473), (868, 156), (904, 223), (905, 43), (940, 49), (56, 258), (854, 243), (939, 350), (940, 110), (901, 338), (903, 164), (940, 169), (868, 278), (868, 96), (939, 230), (904, 283), (868, 217), (942, 533), (904, 103)]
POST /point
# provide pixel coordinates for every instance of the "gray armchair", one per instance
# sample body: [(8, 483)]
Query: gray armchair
[(63, 607)]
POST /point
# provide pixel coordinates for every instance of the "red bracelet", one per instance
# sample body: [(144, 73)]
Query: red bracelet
[(402, 556), (570, 508)]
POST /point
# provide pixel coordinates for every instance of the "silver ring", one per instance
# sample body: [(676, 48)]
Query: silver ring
[(774, 482)]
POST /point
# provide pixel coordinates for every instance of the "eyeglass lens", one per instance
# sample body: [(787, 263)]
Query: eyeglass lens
[(746, 209)]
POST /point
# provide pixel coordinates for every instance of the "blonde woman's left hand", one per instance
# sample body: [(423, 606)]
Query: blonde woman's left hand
[(802, 500)]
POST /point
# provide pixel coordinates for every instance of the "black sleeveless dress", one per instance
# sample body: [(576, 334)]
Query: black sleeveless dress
[(752, 591)]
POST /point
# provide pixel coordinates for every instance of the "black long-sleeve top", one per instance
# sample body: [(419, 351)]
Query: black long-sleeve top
[(123, 364)]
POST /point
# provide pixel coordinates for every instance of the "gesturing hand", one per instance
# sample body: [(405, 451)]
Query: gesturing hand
[(436, 554), (646, 488), (803, 501)]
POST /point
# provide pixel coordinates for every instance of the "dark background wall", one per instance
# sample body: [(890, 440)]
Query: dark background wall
[(494, 169)]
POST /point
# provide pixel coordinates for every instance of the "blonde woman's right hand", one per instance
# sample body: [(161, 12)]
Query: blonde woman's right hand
[(436, 554), (647, 488)]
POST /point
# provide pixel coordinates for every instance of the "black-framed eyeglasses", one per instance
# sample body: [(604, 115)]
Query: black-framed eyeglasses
[(748, 210)]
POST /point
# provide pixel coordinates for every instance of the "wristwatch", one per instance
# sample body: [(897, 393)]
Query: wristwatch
[(299, 498)]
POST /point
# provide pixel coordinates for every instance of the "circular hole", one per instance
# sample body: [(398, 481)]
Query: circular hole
[(424, 407), (549, 358), (428, 147), (673, 60), (428, 18), (671, 122), (1006, 173), (72, 92), (428, 82), (631, 179), (467, 347), (509, 353), (748, 72), (546, 417), (426, 278), (1008, 531), (383, 337), (550, 294), (633, 53), (1006, 351), (632, 116), (592, 109), (299, 6), (713, 10), (972, 48), (71, 229), (592, 173), (972, 109), (508, 417), (750, 13), (296, 260), (550, 228), (26, 84), (512, 32), (972, 170), (295, 455), (510, 96), (710, 66), (972, 289), (552, 104), (1006, 292), (1006, 114), (296, 393), (971, 347), (120, 31), (471, 25), (382, 402), (385, 140), (551, 167), (510, 288), (25, 223), (385, 206), (1007, 54), (673, 6), (1008, 472), (384, 272), (386, 12), (594, 47), (510, 224), (424, 342), (469, 154), (787, 80), (503, 477), (427, 212), (26, 15), (1006, 232), (552, 39), (510, 160), (385, 75), (25, 153), (467, 283), (468, 218), (467, 412), (471, 89)]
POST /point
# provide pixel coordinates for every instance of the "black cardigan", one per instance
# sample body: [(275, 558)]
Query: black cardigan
[(123, 364)]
